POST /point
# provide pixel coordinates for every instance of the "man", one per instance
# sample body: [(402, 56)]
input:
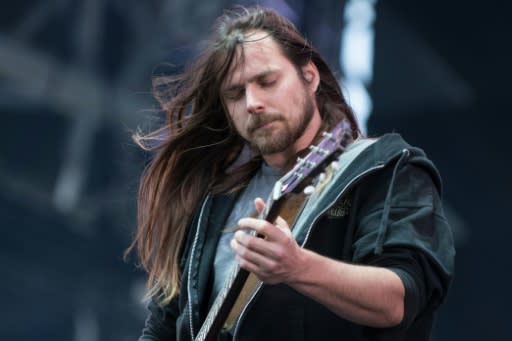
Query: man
[(371, 257)]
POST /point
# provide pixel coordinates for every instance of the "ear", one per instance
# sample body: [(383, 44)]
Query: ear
[(312, 76)]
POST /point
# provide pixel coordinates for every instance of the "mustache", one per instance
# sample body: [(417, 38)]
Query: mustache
[(259, 120)]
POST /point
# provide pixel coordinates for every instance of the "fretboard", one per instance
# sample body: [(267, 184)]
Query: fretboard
[(228, 294)]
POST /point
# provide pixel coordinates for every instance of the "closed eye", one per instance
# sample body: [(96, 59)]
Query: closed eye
[(267, 84), (267, 81), (234, 93)]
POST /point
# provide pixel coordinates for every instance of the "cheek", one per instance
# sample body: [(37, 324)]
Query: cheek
[(292, 94), (303, 95), (237, 116)]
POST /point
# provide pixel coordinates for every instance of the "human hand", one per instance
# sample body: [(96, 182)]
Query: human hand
[(275, 256)]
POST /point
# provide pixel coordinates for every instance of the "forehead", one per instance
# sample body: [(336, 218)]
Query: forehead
[(259, 53)]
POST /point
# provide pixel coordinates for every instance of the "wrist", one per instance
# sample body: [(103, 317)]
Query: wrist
[(303, 269)]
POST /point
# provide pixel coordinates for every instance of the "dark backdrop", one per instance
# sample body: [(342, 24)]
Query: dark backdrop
[(74, 84)]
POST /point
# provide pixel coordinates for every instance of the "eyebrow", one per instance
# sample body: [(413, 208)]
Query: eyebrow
[(237, 86)]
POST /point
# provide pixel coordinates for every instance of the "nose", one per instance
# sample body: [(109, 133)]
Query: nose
[(254, 99)]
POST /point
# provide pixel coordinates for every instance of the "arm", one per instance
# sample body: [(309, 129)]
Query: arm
[(412, 274), (366, 295)]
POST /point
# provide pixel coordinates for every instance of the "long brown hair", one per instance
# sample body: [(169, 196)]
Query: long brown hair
[(198, 141)]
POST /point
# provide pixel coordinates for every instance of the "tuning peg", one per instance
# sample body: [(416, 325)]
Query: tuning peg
[(321, 177), (330, 136), (309, 190), (319, 150), (305, 163)]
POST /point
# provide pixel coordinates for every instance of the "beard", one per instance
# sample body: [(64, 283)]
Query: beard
[(272, 140)]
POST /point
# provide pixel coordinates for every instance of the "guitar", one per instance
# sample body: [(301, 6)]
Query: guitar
[(297, 180)]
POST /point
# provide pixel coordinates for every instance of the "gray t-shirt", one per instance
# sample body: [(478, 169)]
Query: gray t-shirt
[(261, 186)]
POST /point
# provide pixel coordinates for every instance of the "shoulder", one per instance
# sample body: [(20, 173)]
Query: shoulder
[(392, 151)]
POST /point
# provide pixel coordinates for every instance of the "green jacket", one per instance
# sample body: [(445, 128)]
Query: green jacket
[(384, 209)]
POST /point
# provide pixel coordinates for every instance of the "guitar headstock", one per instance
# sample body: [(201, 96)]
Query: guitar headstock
[(332, 144)]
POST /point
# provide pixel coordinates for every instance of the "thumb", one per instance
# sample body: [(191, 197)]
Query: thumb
[(259, 204), (282, 225)]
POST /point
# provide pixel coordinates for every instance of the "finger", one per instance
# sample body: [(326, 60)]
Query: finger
[(281, 223), (255, 244), (250, 259), (283, 226), (262, 227), (259, 204), (256, 270)]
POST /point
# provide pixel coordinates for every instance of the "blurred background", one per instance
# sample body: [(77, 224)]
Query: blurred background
[(75, 80)]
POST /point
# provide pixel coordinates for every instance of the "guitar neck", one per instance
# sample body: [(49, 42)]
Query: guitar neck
[(226, 298), (220, 309)]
